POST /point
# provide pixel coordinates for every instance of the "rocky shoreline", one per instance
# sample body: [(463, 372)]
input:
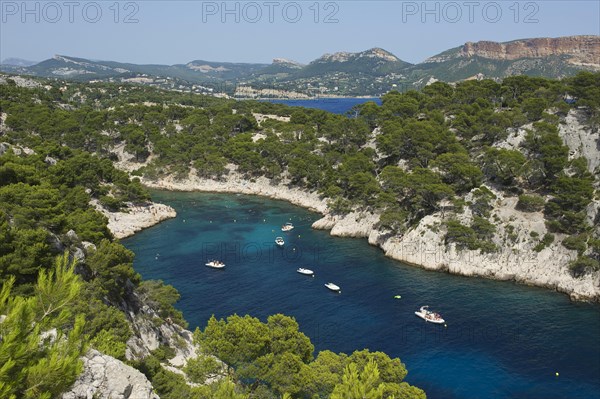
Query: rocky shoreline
[(135, 218), (424, 246)]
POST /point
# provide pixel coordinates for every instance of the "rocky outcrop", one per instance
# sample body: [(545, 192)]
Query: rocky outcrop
[(105, 377), (378, 53), (578, 50), (136, 217), (250, 92), (516, 260), (151, 331), (581, 140), (287, 63), (17, 150)]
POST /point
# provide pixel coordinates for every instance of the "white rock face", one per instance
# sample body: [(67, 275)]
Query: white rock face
[(125, 224), (148, 338), (516, 260), (580, 139), (105, 377)]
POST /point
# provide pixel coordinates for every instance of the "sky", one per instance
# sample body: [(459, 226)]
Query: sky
[(175, 32)]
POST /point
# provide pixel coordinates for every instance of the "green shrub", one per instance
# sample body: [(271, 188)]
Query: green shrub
[(111, 203), (576, 243), (162, 297), (531, 203), (582, 265), (107, 343), (546, 240), (164, 352), (201, 368)]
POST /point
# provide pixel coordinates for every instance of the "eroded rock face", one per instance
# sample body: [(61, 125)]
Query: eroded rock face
[(105, 377), (581, 49), (150, 335), (137, 217), (515, 260), (581, 140), (578, 50)]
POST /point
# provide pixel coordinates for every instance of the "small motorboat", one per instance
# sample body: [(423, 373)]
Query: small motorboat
[(397, 296), (287, 227), (307, 272), (215, 264), (429, 316), (333, 287), (279, 241)]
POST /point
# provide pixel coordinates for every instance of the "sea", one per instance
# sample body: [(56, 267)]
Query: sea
[(341, 105), (500, 339)]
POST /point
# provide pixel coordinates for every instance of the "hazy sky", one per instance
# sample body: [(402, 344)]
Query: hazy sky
[(171, 32)]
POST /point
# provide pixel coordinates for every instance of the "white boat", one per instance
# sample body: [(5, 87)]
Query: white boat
[(287, 227), (215, 264), (308, 272), (333, 287), (429, 316), (279, 241)]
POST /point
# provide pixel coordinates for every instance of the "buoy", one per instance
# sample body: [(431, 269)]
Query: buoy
[(557, 373), (445, 325), (210, 221), (298, 235), (234, 221)]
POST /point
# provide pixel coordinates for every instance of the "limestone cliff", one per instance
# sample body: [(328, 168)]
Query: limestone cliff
[(578, 50), (105, 377)]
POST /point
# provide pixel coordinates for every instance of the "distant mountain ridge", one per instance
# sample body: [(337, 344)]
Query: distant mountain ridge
[(370, 72), (17, 62)]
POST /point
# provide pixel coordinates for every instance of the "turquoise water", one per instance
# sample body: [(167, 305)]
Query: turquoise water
[(502, 340)]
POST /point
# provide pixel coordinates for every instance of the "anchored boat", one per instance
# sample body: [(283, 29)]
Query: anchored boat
[(287, 227), (215, 264), (307, 272), (429, 316), (333, 287)]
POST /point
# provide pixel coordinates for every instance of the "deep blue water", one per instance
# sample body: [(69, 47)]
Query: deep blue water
[(502, 340), (334, 105)]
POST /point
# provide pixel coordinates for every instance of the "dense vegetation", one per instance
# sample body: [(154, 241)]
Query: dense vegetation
[(419, 153), (275, 360)]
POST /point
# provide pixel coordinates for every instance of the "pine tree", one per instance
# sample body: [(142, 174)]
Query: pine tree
[(363, 385), (40, 339)]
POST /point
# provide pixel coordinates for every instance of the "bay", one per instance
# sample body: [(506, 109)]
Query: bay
[(502, 340), (334, 105)]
